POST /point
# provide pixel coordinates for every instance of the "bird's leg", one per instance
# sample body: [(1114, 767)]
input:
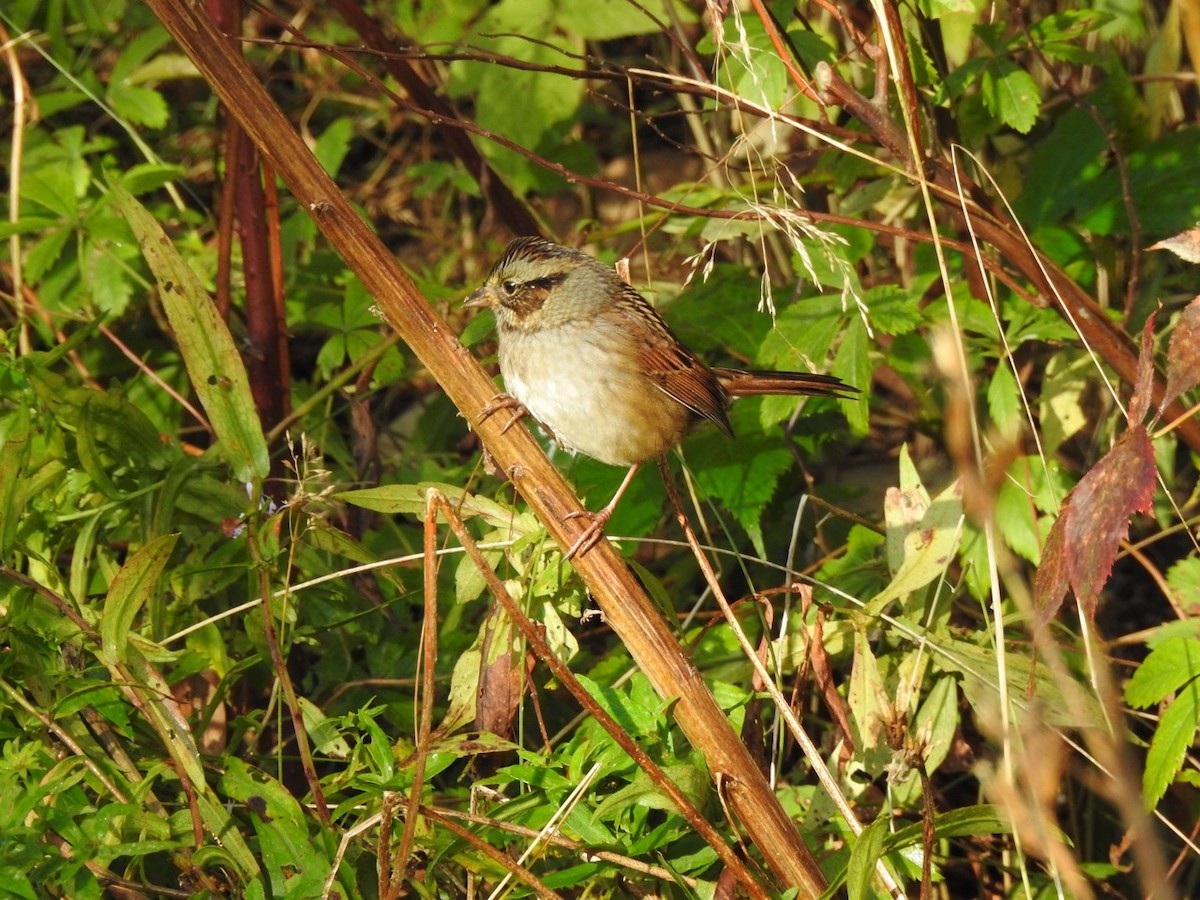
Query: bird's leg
[(595, 530), (504, 401)]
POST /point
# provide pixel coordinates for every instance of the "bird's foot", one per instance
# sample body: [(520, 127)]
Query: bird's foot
[(595, 529), (504, 401), (592, 533)]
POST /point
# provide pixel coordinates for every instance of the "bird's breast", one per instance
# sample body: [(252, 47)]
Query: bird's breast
[(585, 387)]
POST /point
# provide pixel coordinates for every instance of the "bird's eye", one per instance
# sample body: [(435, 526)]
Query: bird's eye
[(510, 287)]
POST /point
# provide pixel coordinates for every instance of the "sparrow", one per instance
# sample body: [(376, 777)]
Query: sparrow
[(593, 361)]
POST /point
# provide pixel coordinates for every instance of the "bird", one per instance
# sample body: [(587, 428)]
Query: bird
[(596, 365)]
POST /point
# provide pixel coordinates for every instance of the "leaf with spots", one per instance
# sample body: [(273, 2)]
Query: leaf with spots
[(1083, 543), (1183, 353), (209, 352), (923, 535), (1143, 388)]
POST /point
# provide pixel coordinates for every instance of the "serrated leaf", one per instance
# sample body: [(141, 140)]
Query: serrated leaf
[(1176, 732), (1139, 403), (109, 283), (1184, 577), (1004, 402), (1168, 667), (45, 253), (214, 366), (132, 586), (852, 364), (1183, 354), (54, 188), (140, 105), (722, 470), (1011, 95), (1185, 245), (1051, 581), (894, 310), (1098, 510), (1018, 521)]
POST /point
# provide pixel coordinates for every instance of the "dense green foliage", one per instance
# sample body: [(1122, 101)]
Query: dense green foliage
[(161, 731)]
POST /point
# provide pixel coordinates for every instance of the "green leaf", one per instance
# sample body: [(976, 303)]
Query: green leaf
[(1011, 94), (1064, 705), (142, 179), (282, 829), (322, 731), (54, 188), (970, 821), (642, 791), (853, 365), (639, 720), (868, 847), (1184, 577), (1176, 732), (723, 471), (15, 447), (602, 20), (214, 366), (922, 535), (334, 143), (803, 335), (412, 499), (132, 586), (935, 723), (1168, 667), (140, 105), (894, 309), (1004, 402), (109, 282)]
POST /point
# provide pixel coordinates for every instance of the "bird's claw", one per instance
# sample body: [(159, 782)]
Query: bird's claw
[(591, 534), (504, 401)]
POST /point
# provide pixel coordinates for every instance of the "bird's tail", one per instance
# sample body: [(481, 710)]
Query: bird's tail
[(743, 383)]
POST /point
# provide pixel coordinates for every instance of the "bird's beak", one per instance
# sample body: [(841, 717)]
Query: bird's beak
[(482, 297)]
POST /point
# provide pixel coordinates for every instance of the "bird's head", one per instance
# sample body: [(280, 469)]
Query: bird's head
[(537, 285)]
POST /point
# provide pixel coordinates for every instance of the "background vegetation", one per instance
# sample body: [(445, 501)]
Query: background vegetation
[(241, 655)]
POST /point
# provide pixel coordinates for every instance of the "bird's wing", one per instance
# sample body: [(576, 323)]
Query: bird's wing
[(674, 369)]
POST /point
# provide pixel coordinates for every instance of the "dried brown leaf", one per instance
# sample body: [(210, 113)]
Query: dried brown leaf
[(1185, 245), (1183, 354), (1050, 583), (1099, 509), (1143, 388)]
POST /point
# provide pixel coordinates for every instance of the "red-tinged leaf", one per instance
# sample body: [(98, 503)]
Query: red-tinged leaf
[(1183, 353), (1185, 245), (1139, 403), (1050, 582), (1098, 511)]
